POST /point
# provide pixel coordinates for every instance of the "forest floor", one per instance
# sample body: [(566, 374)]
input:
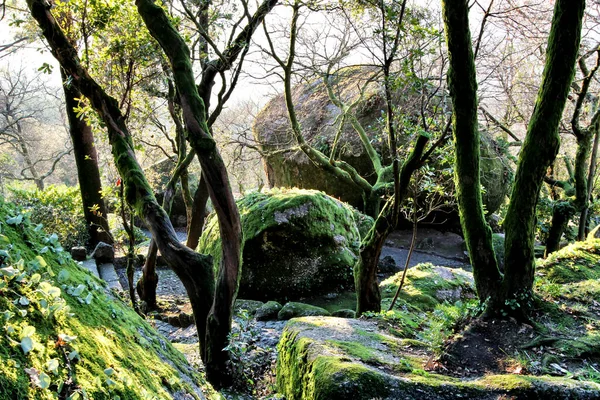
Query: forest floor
[(562, 339)]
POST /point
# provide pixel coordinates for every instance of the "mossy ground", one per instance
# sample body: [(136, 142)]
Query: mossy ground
[(557, 356), (65, 334)]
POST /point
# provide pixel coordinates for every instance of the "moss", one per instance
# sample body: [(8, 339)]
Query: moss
[(573, 263), (296, 243), (114, 352), (268, 311), (427, 286), (294, 310)]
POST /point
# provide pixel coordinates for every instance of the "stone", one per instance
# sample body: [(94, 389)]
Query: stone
[(78, 253), (294, 310), (344, 313), (318, 118), (298, 243), (103, 253), (249, 305), (268, 311), (387, 265)]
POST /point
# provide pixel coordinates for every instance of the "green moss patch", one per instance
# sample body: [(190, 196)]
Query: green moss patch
[(65, 334)]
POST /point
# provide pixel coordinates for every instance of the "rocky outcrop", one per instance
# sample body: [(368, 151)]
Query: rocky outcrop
[(296, 243), (318, 118)]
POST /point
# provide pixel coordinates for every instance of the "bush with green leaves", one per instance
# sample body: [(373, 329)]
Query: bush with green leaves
[(58, 208)]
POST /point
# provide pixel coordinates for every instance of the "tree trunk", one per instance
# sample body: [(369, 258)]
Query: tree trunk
[(537, 154), (196, 222), (86, 159), (463, 90), (583, 219), (194, 270), (562, 213)]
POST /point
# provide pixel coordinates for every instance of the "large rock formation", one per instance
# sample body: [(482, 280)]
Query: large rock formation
[(296, 243), (318, 118)]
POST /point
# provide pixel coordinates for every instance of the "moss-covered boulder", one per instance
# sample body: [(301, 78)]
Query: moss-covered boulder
[(293, 310), (268, 311), (332, 358), (296, 243), (427, 285), (319, 120), (65, 335)]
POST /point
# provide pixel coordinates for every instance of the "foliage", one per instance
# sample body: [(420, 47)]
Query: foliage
[(58, 208), (248, 360)]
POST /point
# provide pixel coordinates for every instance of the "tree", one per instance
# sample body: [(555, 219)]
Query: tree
[(211, 298), (393, 176), (514, 289), (21, 103)]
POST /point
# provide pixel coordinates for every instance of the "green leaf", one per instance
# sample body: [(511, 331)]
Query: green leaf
[(109, 371), (78, 290), (73, 355), (40, 260), (26, 344), (28, 331), (88, 298), (7, 315), (63, 275), (66, 338), (15, 220), (24, 301), (52, 365), (9, 272), (44, 381)]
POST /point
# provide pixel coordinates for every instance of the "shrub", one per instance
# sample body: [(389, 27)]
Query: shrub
[(58, 208)]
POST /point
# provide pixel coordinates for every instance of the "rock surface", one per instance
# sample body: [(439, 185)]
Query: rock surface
[(326, 358), (318, 118), (103, 253), (79, 253), (298, 243)]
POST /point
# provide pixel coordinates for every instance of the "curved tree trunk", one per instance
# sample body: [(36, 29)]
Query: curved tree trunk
[(463, 90), (194, 270), (538, 152), (86, 159)]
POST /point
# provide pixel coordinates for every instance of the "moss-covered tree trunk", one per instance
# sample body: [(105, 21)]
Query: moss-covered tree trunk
[(463, 90), (562, 212), (538, 152), (86, 159)]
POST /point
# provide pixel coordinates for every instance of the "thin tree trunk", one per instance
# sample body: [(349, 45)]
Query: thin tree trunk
[(196, 222), (583, 219), (86, 159), (538, 152), (562, 213), (463, 90)]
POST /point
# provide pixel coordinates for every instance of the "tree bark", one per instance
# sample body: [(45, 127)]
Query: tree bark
[(538, 152), (463, 90), (583, 219), (198, 214), (86, 159), (562, 213)]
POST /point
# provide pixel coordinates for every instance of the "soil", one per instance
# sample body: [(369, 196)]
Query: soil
[(483, 348)]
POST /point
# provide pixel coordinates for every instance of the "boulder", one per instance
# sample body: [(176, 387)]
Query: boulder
[(78, 253), (297, 243), (318, 118), (344, 313), (103, 253), (326, 358), (295, 310), (387, 265), (268, 311)]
